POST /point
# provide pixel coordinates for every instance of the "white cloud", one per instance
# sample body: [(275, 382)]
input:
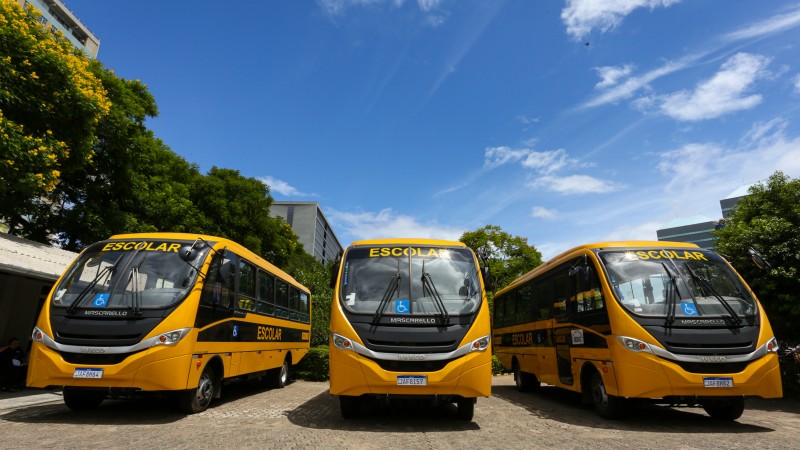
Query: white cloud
[(581, 16), (539, 212), (547, 162), (388, 224), (337, 7), (627, 88), (574, 184), (762, 132), (774, 24), (644, 231), (497, 156), (610, 75), (702, 173), (283, 188), (721, 94), (796, 81)]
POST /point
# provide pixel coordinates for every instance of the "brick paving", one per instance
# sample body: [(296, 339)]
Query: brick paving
[(303, 415)]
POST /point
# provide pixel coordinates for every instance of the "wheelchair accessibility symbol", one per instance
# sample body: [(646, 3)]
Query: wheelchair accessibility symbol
[(689, 309), (100, 300), (401, 307)]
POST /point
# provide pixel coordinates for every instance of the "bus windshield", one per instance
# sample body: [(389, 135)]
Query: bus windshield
[(678, 283), (128, 274), (403, 280)]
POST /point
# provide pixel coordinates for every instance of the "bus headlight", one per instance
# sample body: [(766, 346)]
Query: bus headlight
[(772, 346), (634, 345), (479, 345), (342, 342), (171, 337)]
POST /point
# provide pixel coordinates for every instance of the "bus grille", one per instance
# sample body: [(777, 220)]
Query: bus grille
[(712, 368), (411, 344), (412, 366), (93, 359)]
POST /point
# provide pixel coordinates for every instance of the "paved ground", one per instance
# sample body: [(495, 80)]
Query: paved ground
[(303, 415)]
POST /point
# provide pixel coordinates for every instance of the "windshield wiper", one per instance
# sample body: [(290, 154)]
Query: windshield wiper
[(671, 295), (394, 285), (106, 271), (429, 290), (136, 299), (707, 286)]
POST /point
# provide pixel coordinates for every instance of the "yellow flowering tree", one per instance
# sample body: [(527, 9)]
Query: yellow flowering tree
[(50, 103)]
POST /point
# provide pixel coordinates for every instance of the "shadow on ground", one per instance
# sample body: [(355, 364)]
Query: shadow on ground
[(566, 407), (322, 412), (144, 410)]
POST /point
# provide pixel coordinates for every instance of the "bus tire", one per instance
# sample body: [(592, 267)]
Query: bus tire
[(725, 408), (607, 406), (526, 382), (280, 376), (196, 400), (350, 406), (82, 399), (466, 408)]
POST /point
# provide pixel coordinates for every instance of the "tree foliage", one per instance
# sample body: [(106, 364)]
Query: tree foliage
[(50, 104), (316, 276), (768, 220), (507, 256)]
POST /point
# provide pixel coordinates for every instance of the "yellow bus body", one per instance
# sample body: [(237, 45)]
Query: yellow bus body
[(625, 373), (178, 367), (467, 376)]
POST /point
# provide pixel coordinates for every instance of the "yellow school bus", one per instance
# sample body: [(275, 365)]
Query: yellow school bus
[(409, 320), (172, 312), (664, 321)]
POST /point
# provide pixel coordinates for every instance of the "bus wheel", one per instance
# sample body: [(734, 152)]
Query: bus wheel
[(526, 382), (726, 408), (350, 406), (196, 400), (281, 376), (466, 408), (607, 406), (82, 399)]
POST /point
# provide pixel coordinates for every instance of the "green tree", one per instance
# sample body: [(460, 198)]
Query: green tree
[(316, 276), (50, 104), (237, 207), (135, 182), (507, 256), (768, 220)]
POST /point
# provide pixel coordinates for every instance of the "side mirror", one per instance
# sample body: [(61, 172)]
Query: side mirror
[(188, 253), (758, 260), (335, 270), (488, 282)]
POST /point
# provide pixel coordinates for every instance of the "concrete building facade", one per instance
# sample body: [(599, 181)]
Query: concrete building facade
[(312, 228), (57, 17)]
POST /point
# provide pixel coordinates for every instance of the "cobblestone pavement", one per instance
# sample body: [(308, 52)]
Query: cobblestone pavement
[(303, 415)]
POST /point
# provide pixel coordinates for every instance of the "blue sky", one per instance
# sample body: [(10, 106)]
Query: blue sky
[(563, 122)]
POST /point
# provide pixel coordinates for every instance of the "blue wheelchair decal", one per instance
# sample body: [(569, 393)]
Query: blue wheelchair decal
[(689, 309), (100, 300), (402, 307), (235, 330)]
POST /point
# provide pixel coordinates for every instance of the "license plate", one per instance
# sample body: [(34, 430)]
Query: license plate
[(412, 380), (718, 382), (88, 373)]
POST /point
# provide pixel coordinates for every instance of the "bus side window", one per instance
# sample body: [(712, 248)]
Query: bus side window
[(282, 299), (247, 286), (525, 303), (562, 306), (497, 307), (218, 290), (266, 293)]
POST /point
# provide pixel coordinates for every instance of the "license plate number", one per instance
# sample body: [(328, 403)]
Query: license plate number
[(88, 373), (718, 382), (412, 380)]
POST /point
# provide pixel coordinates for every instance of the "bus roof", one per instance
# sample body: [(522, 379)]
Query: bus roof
[(232, 245), (608, 245), (407, 241)]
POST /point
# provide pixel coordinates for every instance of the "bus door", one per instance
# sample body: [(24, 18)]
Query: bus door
[(562, 335)]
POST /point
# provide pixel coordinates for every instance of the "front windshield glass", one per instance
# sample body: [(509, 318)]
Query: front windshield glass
[(128, 274), (692, 283), (410, 280)]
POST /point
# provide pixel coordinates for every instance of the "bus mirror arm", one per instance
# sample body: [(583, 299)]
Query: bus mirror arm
[(488, 282)]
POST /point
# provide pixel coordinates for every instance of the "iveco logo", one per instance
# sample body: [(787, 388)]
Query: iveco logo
[(94, 349), (713, 358), (406, 357)]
